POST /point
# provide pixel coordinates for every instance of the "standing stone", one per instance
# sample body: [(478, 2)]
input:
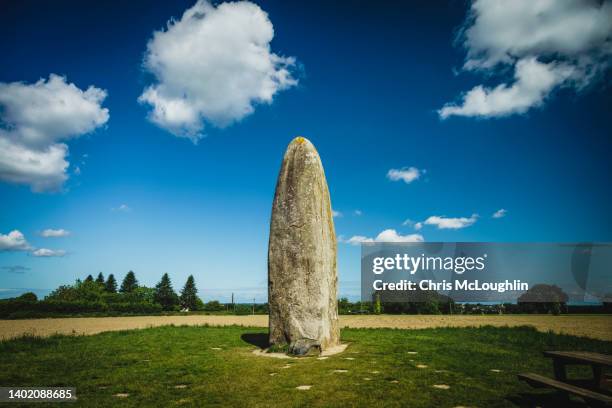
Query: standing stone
[(302, 277)]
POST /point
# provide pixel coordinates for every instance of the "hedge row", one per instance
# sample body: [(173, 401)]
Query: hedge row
[(10, 308)]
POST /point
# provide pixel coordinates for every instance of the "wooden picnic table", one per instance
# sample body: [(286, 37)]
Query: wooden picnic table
[(597, 361)]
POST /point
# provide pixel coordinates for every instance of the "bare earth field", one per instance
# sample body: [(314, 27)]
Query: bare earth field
[(597, 327)]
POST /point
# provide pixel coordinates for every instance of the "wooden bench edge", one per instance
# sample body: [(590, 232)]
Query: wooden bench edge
[(540, 381)]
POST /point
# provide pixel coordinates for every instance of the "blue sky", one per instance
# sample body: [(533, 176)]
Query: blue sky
[(366, 85)]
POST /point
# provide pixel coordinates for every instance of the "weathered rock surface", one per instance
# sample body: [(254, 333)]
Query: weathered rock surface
[(302, 277)]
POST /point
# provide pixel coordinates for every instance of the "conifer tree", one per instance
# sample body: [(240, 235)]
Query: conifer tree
[(111, 284), (100, 279), (129, 283), (189, 294), (164, 293), (89, 278)]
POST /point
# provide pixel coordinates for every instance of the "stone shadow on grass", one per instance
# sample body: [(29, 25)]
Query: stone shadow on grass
[(256, 339)]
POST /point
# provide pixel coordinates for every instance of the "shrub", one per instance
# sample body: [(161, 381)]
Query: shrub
[(213, 306), (28, 297)]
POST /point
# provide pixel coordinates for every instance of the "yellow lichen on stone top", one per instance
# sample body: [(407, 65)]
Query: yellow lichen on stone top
[(300, 140)]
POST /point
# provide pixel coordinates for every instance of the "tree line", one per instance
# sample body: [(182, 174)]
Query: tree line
[(130, 291), (104, 296)]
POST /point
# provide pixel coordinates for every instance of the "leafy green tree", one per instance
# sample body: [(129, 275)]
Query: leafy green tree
[(89, 290), (89, 278), (85, 291), (213, 306), (343, 305), (199, 304), (111, 284), (141, 294), (100, 279), (189, 294), (28, 297), (63, 292), (543, 298), (129, 283), (164, 293)]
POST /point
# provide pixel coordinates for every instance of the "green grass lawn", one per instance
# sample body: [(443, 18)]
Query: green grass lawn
[(171, 366)]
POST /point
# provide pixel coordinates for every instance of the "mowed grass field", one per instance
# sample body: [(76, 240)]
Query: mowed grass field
[(594, 326), (215, 366)]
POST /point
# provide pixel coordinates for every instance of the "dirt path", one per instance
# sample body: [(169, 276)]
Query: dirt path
[(599, 327)]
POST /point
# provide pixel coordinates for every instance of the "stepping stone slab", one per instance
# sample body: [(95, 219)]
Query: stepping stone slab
[(303, 387), (122, 395), (322, 358), (441, 386), (340, 371), (421, 366)]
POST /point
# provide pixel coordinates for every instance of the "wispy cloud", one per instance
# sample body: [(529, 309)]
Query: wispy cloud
[(122, 208), (47, 253), (406, 174), (15, 269), (500, 213), (408, 223), (336, 214), (357, 213), (54, 233)]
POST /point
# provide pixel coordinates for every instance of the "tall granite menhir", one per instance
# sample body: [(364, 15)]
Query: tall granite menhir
[(302, 277)]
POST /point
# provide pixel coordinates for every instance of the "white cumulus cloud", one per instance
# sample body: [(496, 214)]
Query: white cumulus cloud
[(213, 65), (533, 83), (336, 214), (443, 222), (406, 174), (500, 213), (548, 43), (34, 121), (54, 233), (47, 253), (14, 241), (358, 239), (388, 235)]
